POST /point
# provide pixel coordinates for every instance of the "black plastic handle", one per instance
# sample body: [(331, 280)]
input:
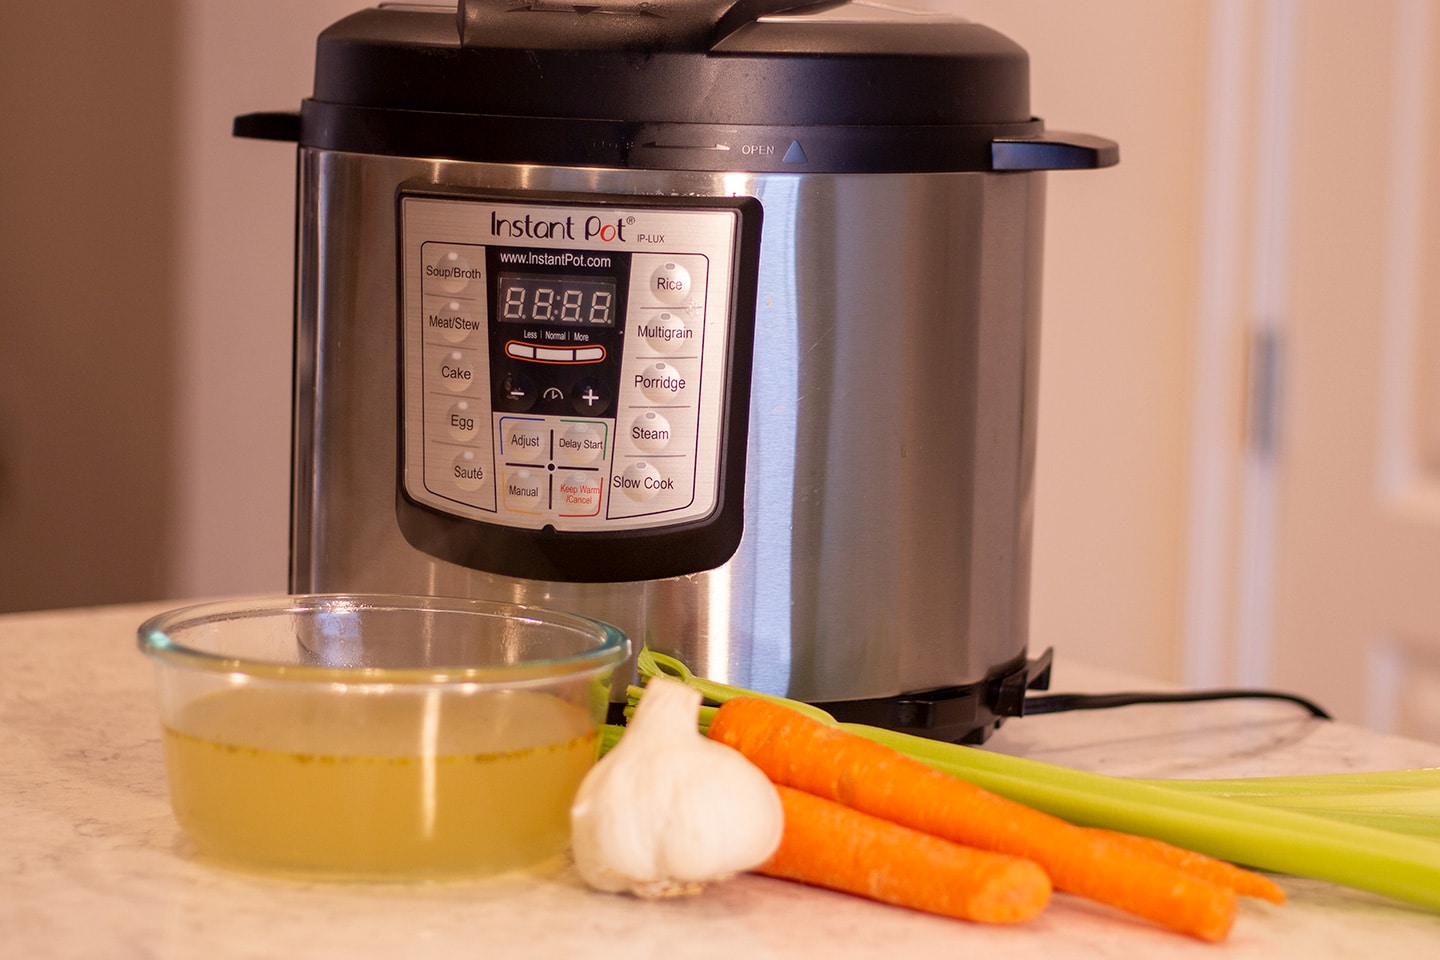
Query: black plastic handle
[(641, 25), (1054, 151)]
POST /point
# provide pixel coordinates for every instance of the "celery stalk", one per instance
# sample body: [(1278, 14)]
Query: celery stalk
[(1262, 829)]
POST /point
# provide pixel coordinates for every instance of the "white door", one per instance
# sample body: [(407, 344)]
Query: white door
[(1356, 615)]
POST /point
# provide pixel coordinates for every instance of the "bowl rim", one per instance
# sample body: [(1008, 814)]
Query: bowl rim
[(156, 642)]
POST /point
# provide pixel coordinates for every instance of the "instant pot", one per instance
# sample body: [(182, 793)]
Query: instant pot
[(714, 319)]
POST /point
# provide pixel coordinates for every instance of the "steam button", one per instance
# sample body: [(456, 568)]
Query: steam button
[(650, 431)]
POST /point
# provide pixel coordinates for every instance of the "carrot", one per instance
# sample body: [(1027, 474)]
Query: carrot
[(796, 751), (1201, 866), (828, 844)]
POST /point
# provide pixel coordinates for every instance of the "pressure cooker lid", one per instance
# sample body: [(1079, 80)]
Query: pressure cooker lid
[(673, 84)]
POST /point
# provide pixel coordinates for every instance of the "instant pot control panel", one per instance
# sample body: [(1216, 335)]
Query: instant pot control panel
[(575, 375)]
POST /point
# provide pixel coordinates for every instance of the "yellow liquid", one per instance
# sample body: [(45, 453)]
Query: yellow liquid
[(389, 787)]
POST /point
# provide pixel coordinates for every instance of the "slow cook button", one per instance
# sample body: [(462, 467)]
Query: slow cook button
[(642, 482)]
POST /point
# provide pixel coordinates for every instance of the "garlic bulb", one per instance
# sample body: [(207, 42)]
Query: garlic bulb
[(667, 811)]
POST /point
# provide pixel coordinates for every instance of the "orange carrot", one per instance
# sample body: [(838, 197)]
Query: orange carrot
[(828, 844), (1244, 882), (796, 751)]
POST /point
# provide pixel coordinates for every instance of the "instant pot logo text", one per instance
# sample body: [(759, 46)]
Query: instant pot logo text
[(530, 228)]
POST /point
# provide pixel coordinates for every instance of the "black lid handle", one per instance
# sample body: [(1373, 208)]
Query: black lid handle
[(642, 25), (1054, 151)]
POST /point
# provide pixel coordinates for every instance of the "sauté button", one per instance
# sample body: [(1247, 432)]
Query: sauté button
[(467, 471)]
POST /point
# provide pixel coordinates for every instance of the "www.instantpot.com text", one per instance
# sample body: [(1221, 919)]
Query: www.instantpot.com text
[(554, 258)]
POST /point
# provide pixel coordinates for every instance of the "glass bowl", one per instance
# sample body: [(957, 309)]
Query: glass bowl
[(378, 737)]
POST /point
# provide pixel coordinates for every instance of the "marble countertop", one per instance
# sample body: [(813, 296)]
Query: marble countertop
[(93, 865)]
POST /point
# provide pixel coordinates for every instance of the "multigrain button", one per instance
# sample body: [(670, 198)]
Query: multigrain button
[(665, 332)]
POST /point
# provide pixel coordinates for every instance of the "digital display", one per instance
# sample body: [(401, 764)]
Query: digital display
[(555, 300)]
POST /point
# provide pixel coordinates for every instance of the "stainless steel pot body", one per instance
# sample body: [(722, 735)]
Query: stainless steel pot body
[(890, 453)]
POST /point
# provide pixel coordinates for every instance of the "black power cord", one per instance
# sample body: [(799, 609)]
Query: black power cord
[(1063, 702)]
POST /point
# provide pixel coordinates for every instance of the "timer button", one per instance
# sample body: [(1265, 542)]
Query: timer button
[(650, 431), (452, 272), (671, 283)]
